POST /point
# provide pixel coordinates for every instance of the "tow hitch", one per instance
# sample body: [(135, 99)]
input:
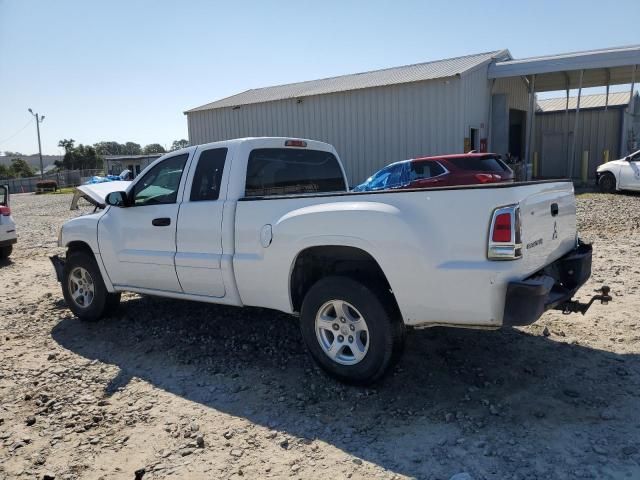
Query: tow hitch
[(574, 306)]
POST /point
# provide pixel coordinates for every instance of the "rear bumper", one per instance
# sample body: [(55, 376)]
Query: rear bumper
[(528, 299)]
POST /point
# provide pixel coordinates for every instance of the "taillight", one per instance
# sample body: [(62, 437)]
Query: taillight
[(5, 211), (295, 143), (487, 177), (502, 228), (505, 234)]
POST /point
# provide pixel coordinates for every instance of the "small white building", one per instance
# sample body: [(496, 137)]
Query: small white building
[(115, 164)]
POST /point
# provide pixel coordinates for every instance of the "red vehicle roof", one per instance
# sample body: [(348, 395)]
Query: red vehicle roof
[(455, 155)]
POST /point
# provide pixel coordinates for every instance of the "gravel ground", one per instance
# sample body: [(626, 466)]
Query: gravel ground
[(171, 389)]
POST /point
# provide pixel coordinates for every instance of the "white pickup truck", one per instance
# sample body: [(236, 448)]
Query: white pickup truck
[(270, 222)]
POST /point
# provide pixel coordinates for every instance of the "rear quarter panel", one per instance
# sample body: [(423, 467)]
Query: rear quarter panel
[(431, 245)]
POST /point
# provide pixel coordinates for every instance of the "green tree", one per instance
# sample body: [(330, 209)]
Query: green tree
[(67, 144), (153, 148), (178, 144), (5, 172), (109, 148), (69, 160), (20, 168), (79, 158), (13, 154), (131, 148)]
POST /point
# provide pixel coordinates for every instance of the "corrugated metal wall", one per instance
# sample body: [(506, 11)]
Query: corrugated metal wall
[(597, 131), (475, 89), (370, 128), (516, 90)]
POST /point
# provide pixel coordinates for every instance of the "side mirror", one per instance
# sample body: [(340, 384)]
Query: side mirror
[(116, 199)]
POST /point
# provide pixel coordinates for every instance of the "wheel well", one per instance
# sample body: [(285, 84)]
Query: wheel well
[(78, 245), (606, 174), (315, 263)]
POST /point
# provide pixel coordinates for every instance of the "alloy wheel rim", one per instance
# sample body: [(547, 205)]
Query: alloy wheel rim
[(81, 287), (342, 332)]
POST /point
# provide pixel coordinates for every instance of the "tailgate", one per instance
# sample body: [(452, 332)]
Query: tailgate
[(548, 222)]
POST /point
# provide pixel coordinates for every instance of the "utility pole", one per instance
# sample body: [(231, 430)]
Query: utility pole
[(39, 120)]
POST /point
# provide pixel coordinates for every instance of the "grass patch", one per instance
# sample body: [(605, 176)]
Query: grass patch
[(60, 191)]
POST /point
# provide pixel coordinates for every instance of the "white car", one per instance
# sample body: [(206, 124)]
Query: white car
[(622, 174), (8, 234), (269, 222)]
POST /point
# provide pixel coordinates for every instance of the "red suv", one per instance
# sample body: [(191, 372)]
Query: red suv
[(442, 171)]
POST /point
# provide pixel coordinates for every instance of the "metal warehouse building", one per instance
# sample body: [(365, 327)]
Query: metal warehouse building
[(608, 128), (482, 102)]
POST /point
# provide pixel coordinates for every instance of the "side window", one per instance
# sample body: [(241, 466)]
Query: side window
[(208, 175), (424, 170), (4, 195), (160, 184), (288, 171)]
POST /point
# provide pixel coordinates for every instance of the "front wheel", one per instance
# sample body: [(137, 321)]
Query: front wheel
[(349, 332), (83, 288), (607, 183)]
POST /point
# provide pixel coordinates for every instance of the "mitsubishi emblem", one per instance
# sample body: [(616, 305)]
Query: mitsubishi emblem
[(555, 231)]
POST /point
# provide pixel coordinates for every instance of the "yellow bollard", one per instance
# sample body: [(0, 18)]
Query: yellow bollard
[(605, 156), (585, 166), (535, 164)]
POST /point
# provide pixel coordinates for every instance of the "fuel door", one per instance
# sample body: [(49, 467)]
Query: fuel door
[(266, 235)]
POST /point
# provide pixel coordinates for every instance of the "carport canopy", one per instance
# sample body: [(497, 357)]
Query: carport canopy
[(567, 71), (611, 66)]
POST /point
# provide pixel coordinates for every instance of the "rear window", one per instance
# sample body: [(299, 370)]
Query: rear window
[(287, 171), (479, 164)]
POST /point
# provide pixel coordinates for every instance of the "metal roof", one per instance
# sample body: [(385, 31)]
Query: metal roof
[(377, 78), (617, 99), (611, 66)]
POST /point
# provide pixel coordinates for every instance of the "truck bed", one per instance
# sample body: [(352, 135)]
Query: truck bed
[(431, 243)]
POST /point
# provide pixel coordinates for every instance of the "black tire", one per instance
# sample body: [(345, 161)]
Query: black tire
[(386, 329), (101, 302), (607, 183), (5, 252)]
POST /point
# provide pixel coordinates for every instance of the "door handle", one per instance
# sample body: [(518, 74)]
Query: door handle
[(554, 209), (161, 222)]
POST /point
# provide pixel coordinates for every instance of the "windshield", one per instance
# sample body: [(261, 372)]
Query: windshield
[(388, 177)]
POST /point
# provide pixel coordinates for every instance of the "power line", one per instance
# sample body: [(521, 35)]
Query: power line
[(10, 137)]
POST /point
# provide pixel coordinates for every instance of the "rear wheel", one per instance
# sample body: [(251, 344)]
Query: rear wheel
[(349, 332), (83, 288), (5, 251), (607, 183)]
